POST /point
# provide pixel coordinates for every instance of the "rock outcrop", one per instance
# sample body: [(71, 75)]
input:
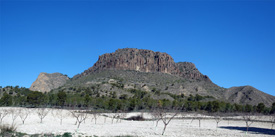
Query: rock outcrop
[(248, 95), (46, 82), (144, 61)]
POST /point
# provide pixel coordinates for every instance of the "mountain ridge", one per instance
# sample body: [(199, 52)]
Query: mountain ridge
[(148, 70)]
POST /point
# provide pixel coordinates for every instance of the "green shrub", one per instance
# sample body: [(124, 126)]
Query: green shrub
[(67, 134), (7, 129)]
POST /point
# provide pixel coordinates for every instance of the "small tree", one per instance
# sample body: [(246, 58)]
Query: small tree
[(105, 117), (122, 116), (218, 119), (249, 119), (61, 98), (36, 98), (95, 116), (59, 113), (14, 114), (272, 120), (156, 116), (163, 114), (183, 115), (115, 115), (260, 107), (199, 117), (228, 116), (6, 100), (272, 111), (42, 113), (80, 117), (23, 114), (87, 100), (3, 113)]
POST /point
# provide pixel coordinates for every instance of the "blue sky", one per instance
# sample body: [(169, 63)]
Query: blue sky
[(233, 42)]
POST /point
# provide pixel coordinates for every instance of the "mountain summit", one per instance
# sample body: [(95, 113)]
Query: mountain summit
[(144, 61)]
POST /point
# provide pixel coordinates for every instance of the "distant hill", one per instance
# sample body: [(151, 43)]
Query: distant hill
[(248, 95), (46, 82), (146, 70)]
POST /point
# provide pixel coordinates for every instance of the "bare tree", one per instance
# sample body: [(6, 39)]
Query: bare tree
[(115, 115), (156, 116), (42, 113), (166, 117), (118, 117), (199, 117), (95, 116), (228, 116), (92, 119), (122, 116), (60, 114), (218, 119), (3, 113), (23, 114), (249, 119), (183, 115), (53, 112), (272, 120), (80, 117), (105, 117), (14, 114)]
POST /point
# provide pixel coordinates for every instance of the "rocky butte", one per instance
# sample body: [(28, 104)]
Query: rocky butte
[(46, 82), (144, 61)]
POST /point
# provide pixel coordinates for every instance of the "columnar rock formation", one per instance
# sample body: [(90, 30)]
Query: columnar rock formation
[(144, 61), (46, 82)]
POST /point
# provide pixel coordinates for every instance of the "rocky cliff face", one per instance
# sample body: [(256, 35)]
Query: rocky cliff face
[(144, 61), (46, 82)]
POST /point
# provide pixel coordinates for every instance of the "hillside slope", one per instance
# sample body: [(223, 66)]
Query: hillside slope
[(146, 70), (248, 95)]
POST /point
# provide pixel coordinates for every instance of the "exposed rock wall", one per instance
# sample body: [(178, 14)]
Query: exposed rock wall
[(144, 61), (46, 82)]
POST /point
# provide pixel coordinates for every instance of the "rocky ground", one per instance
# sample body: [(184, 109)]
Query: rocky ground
[(177, 127)]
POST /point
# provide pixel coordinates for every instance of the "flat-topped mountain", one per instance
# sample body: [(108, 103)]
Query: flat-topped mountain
[(150, 71), (144, 61), (46, 82)]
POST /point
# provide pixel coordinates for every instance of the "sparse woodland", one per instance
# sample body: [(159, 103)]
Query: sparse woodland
[(162, 111), (140, 100)]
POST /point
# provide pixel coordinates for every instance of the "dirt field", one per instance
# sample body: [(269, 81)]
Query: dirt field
[(176, 128)]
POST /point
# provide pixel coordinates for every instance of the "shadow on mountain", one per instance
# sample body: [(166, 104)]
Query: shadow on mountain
[(252, 130)]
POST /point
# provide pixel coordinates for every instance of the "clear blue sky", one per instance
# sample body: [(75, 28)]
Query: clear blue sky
[(232, 42)]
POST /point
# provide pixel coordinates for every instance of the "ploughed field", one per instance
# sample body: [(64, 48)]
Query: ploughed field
[(106, 124)]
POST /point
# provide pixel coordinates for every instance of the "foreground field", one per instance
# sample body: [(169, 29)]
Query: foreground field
[(105, 126)]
